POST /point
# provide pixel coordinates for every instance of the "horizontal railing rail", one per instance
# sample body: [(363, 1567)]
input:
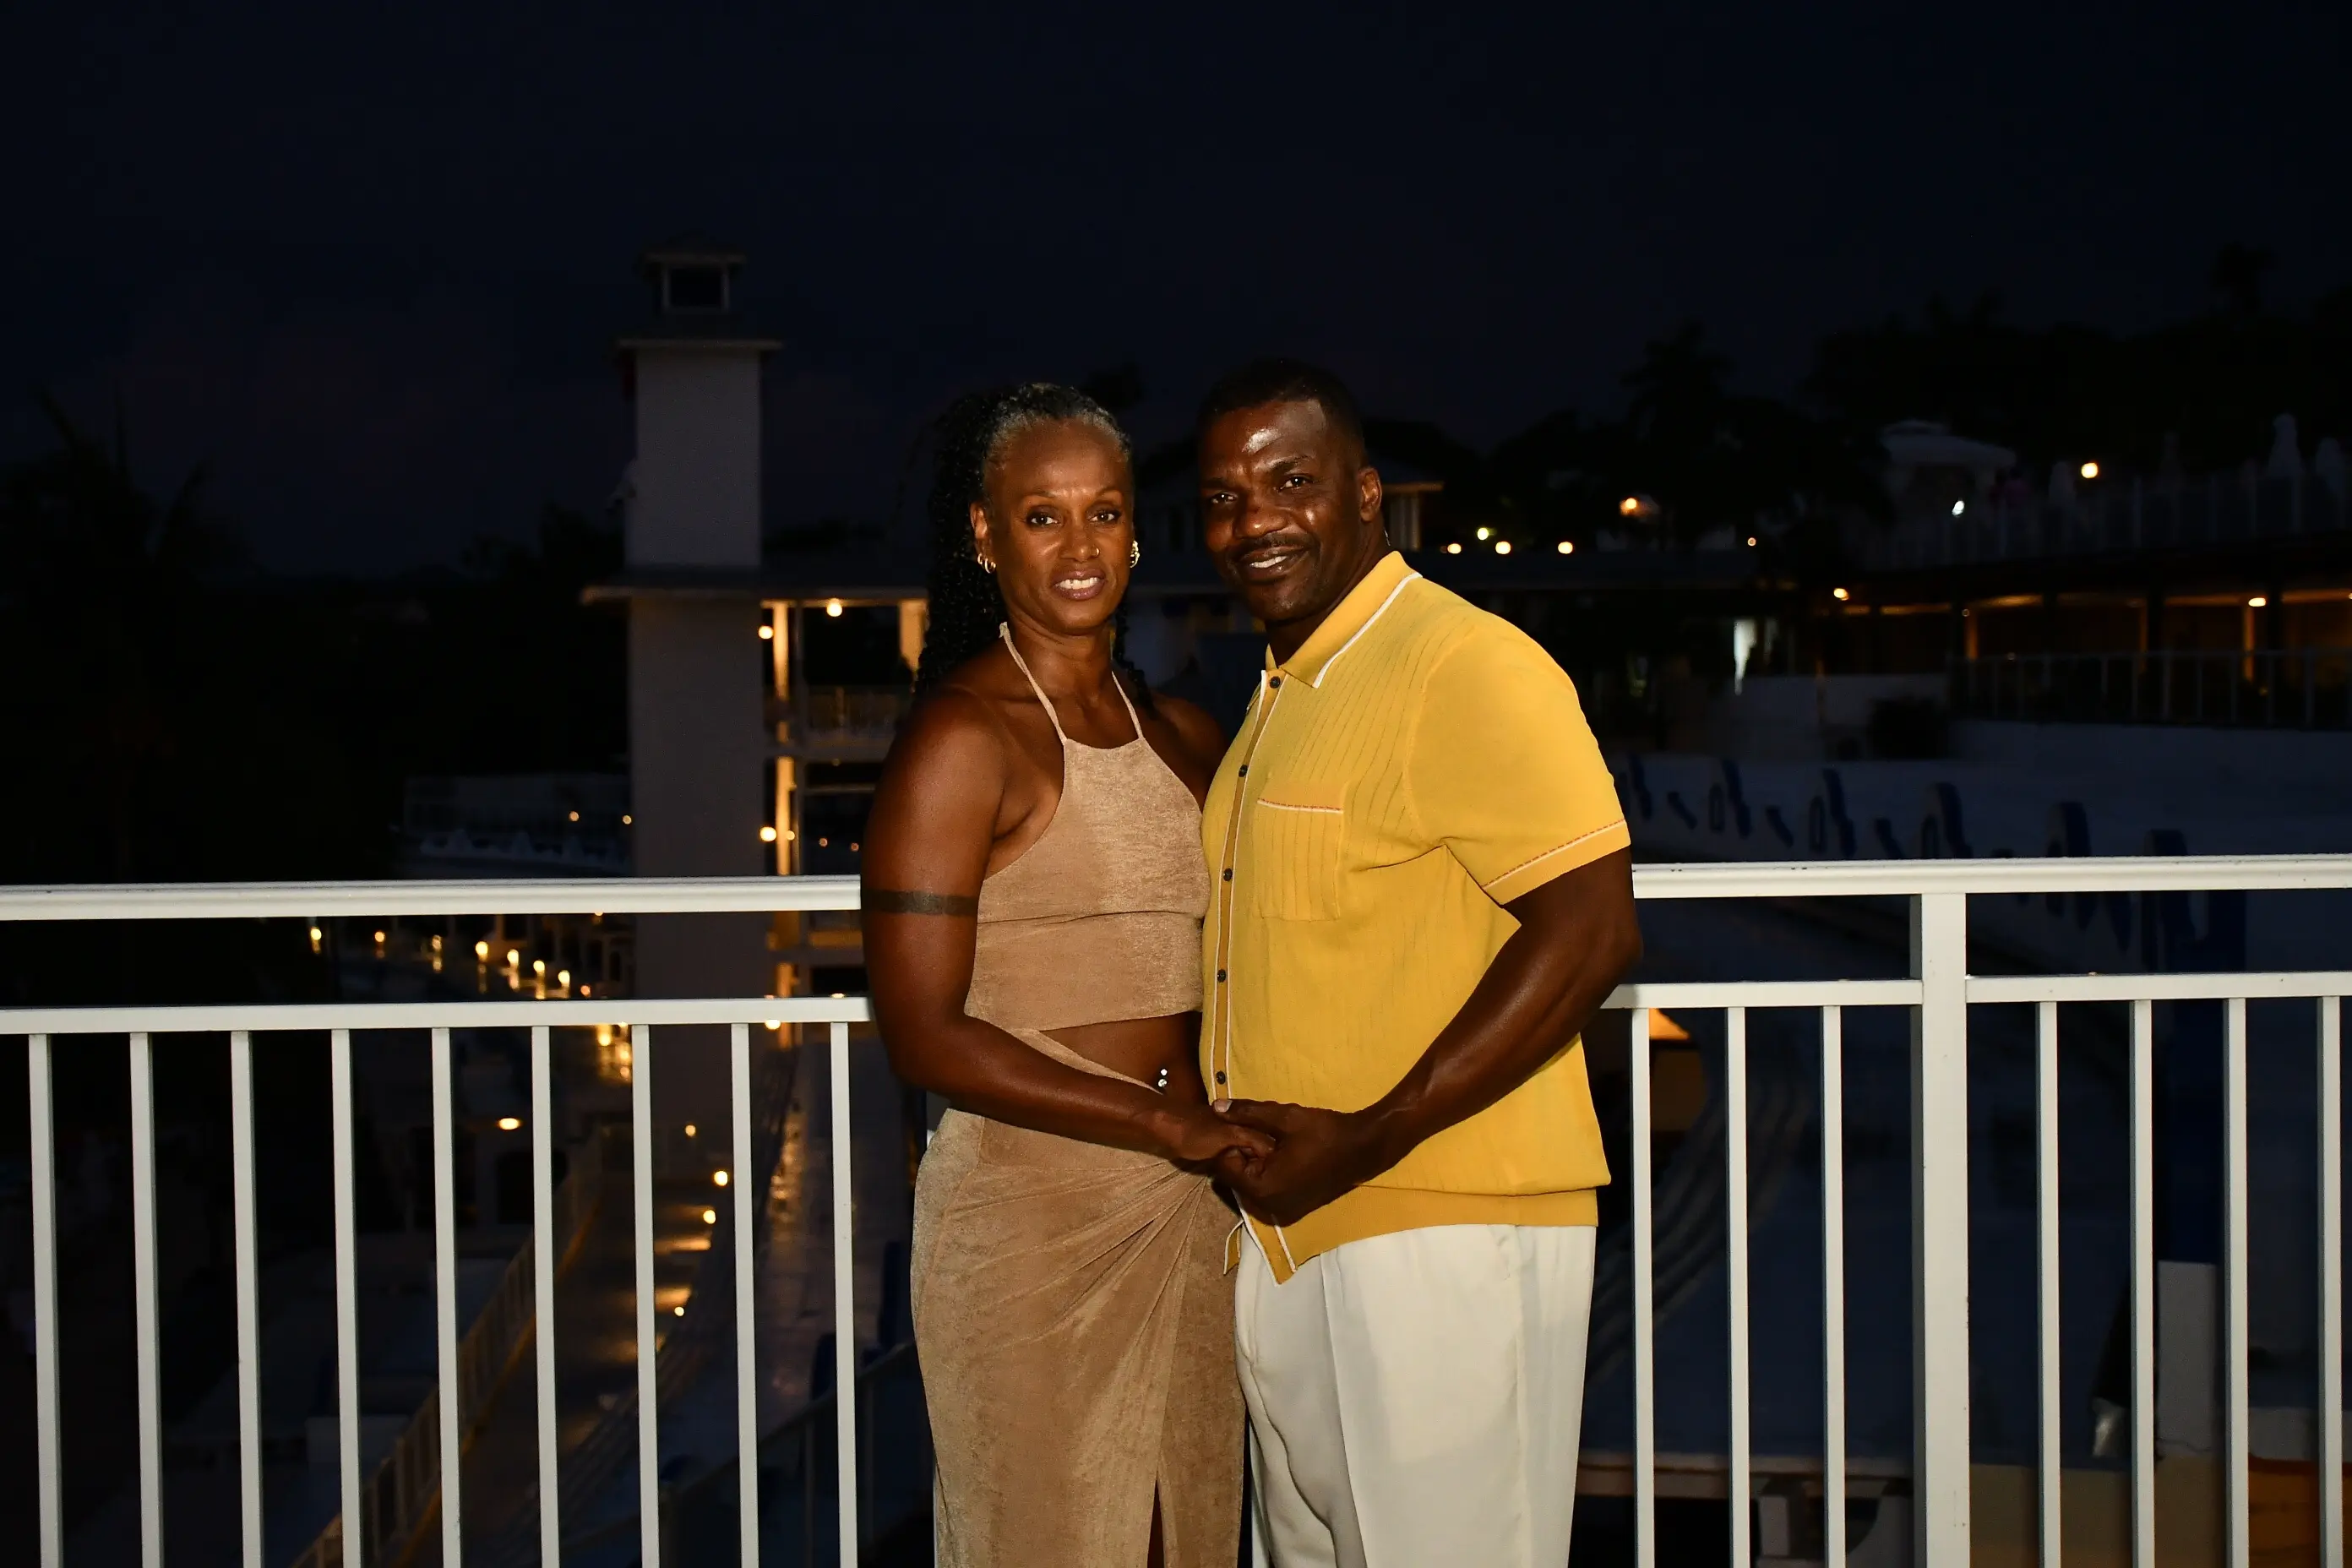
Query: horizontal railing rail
[(1937, 994), (2295, 689)]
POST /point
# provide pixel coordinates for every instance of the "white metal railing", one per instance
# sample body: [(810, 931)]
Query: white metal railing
[(1937, 993)]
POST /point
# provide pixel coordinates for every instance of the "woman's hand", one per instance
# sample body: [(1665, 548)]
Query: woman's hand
[(1196, 1138)]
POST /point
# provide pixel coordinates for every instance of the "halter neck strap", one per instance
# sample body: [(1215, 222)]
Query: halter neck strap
[(1005, 630)]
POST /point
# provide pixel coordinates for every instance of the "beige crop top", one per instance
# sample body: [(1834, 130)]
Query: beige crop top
[(1100, 918)]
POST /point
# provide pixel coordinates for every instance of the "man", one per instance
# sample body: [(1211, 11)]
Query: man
[(1423, 892)]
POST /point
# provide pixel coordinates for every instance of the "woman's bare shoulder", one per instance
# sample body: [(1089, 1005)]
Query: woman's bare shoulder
[(1202, 738)]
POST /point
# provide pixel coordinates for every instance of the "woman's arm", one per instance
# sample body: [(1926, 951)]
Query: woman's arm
[(935, 817)]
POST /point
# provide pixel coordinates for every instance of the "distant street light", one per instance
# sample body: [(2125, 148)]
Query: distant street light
[(1568, 547), (2090, 470), (1502, 547), (1840, 595)]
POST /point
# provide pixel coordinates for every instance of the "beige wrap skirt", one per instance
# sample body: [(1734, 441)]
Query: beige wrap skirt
[(1076, 1326)]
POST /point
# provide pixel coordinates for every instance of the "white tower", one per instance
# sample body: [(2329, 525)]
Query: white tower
[(696, 747)]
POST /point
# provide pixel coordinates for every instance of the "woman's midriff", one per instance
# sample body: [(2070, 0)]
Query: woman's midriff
[(1141, 1047)]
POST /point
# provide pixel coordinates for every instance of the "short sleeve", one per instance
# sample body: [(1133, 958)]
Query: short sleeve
[(1502, 770)]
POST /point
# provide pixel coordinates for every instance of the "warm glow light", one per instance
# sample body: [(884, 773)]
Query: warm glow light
[(538, 966), (436, 944), (1629, 506), (824, 843), (718, 1178), (767, 834), (1958, 507), (689, 1129), (775, 1022), (767, 633), (626, 820), (482, 951), (833, 608), (1455, 549), (711, 1217), (1485, 533), (584, 988), (564, 978), (1502, 547), (316, 934), (789, 834), (379, 939), (1568, 547), (1751, 541), (1840, 595), (2257, 602), (678, 1312), (2090, 470), (510, 1123), (513, 958), (575, 816)]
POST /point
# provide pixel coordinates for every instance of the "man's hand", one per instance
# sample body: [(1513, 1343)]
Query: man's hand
[(1317, 1156)]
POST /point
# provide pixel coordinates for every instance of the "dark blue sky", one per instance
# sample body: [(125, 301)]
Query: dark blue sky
[(367, 263)]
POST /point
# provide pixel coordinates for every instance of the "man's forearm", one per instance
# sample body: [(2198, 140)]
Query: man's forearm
[(1578, 937)]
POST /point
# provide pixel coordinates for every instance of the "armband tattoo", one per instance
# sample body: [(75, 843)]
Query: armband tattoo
[(897, 901)]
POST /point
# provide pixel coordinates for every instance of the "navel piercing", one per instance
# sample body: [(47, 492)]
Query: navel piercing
[(1162, 1082)]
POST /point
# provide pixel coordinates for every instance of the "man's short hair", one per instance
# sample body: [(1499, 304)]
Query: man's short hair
[(1264, 381)]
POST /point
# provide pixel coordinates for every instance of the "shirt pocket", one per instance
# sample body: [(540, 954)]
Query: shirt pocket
[(1297, 831)]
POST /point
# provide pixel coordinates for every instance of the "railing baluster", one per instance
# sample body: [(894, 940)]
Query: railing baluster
[(445, 1291), (845, 1303), (2331, 1280), (2238, 1520), (1833, 1285), (1939, 1229), (544, 1242), (1734, 1220), (641, 1169), (2046, 1280), (747, 1343), (248, 1292), (356, 1541), (144, 1304), (2143, 1284), (45, 1300), (1646, 1418)]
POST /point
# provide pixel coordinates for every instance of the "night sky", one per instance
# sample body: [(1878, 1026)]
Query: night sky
[(367, 265)]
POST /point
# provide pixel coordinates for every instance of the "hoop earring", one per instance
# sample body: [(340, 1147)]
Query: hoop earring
[(1134, 553), (987, 566)]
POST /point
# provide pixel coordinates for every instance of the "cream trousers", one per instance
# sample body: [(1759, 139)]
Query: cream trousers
[(1414, 1398)]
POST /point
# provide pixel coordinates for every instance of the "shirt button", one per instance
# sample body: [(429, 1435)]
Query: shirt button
[(1220, 1077), (1275, 681), (1229, 873), (1221, 977)]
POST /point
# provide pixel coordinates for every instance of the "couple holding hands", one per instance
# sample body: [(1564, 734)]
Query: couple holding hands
[(1263, 1060)]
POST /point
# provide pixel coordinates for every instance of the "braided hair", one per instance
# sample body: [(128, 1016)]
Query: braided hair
[(966, 604)]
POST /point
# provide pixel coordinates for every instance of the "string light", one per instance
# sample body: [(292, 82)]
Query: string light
[(510, 1123)]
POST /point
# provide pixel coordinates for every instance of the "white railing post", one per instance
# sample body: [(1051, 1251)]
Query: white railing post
[(546, 1239), (1740, 1477), (44, 1301), (2331, 1280), (845, 1301), (1833, 1548), (145, 1307), (1645, 1416), (2238, 1451), (444, 1293), (747, 1335), (2046, 1282), (1940, 1219), (2143, 1284), (641, 1183), (347, 1305), (246, 1243)]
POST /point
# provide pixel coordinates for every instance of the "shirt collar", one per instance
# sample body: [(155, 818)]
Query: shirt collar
[(1349, 619)]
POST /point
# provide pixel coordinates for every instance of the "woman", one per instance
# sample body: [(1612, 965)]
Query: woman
[(1034, 889)]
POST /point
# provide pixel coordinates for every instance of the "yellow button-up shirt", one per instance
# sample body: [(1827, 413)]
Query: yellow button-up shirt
[(1416, 765)]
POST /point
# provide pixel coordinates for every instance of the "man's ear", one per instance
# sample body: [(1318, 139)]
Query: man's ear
[(1369, 493)]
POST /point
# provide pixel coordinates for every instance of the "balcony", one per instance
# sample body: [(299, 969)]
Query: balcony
[(1734, 1090)]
